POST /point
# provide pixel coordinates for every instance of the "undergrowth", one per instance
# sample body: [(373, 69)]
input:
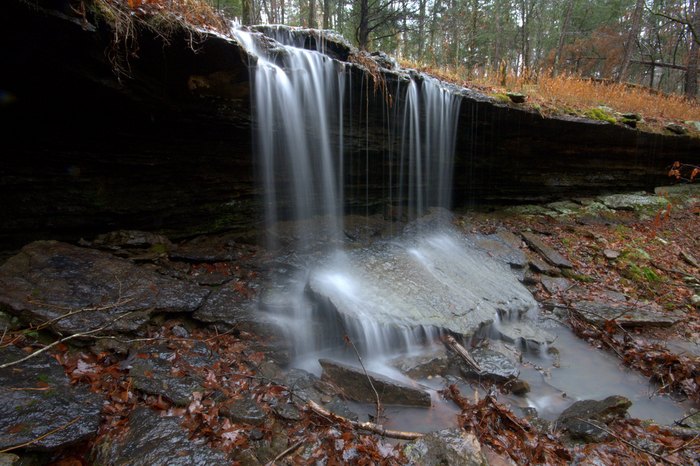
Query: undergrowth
[(567, 93)]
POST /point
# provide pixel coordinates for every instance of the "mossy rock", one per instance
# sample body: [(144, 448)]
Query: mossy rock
[(600, 114), (501, 97)]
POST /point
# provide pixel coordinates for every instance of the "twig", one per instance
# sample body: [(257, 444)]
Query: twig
[(63, 340), (680, 421), (684, 446), (611, 433), (368, 426), (286, 452), (462, 352), (76, 311), (369, 379), (43, 436)]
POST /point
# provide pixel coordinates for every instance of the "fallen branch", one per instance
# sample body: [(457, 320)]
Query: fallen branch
[(43, 436), (630, 444), (462, 352), (63, 340), (368, 426), (369, 379)]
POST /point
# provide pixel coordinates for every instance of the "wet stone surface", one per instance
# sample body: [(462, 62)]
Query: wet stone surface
[(154, 440), (154, 371), (244, 411), (626, 315), (449, 446), (581, 418), (494, 366), (48, 279), (354, 384), (36, 398)]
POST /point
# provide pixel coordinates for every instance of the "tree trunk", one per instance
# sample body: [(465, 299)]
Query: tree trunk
[(326, 14), (312, 13), (421, 29), (363, 27), (247, 11), (691, 75), (631, 40), (556, 66)]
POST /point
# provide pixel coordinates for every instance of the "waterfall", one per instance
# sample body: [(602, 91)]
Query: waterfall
[(299, 100)]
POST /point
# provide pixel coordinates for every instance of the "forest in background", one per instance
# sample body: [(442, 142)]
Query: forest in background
[(653, 43)]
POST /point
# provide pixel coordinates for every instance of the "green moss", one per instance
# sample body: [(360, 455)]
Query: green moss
[(641, 273), (577, 276), (501, 97), (601, 115)]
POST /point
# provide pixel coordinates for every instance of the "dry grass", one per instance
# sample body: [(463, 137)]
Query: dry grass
[(573, 94)]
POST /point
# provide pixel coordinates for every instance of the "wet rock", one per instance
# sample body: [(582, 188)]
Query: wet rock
[(627, 315), (355, 385), (521, 332), (555, 284), (578, 418), (433, 279), (500, 249), (494, 366), (633, 201), (209, 248), (552, 256), (132, 239), (152, 440), (519, 387), (448, 446), (151, 369), (48, 279), (287, 411), (36, 397), (339, 407), (564, 207), (306, 386), (229, 307), (243, 411), (539, 265), (434, 362)]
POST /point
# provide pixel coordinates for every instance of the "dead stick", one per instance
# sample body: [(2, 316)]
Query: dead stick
[(684, 446), (51, 432), (462, 352), (609, 432), (369, 379), (368, 426), (286, 452), (62, 340)]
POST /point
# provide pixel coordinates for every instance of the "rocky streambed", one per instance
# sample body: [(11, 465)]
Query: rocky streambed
[(129, 348)]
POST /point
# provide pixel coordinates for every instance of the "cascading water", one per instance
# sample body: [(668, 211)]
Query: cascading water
[(300, 97)]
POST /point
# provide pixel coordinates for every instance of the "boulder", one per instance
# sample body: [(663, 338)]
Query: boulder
[(448, 446), (50, 279), (634, 201), (228, 306), (501, 249), (155, 440), (555, 284), (36, 398), (243, 411), (355, 384), (580, 419)]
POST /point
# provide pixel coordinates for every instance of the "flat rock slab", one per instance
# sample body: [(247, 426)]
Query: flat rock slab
[(434, 280), (427, 364), (501, 249), (555, 284), (50, 279), (36, 397), (518, 331), (494, 366), (154, 440), (355, 385), (228, 306), (151, 370), (578, 417), (633, 201), (552, 256), (627, 315)]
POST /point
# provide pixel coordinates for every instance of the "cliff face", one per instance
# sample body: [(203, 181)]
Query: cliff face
[(168, 144)]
